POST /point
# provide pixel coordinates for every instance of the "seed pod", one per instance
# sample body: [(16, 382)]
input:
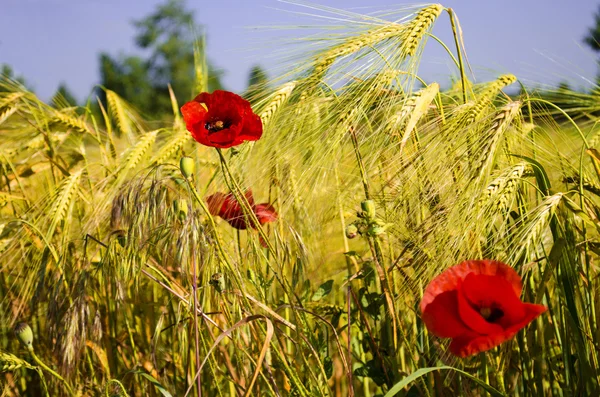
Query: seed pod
[(376, 230), (187, 166), (368, 207), (217, 280), (25, 335), (180, 207), (351, 231)]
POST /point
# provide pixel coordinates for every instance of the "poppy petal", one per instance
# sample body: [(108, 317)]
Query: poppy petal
[(474, 319), (265, 213), (224, 138), (473, 343), (493, 291), (204, 97), (532, 311), (231, 112), (253, 128), (451, 278), (442, 318), (215, 203), (193, 113)]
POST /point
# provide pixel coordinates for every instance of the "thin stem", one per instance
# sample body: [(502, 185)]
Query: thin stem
[(119, 384), (240, 197), (44, 385), (195, 291), (52, 372), (361, 166), (461, 66)]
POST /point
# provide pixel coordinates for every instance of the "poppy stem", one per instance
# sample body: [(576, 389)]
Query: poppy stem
[(241, 199), (52, 372), (374, 244), (213, 226), (238, 194), (361, 166)]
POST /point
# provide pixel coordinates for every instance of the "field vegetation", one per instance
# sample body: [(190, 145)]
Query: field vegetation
[(380, 181)]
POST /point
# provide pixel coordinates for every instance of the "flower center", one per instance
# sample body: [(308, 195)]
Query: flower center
[(490, 314), (215, 126)]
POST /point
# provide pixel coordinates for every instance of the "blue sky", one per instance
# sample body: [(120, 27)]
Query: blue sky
[(53, 41)]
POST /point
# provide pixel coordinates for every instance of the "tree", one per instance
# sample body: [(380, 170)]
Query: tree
[(592, 39), (63, 97), (169, 36), (257, 83), (7, 74)]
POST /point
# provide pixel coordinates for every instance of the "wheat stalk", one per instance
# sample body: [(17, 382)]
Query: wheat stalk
[(11, 98), (277, 99), (410, 33), (6, 112), (418, 26), (139, 151), (74, 122), (493, 88), (527, 236), (174, 143), (486, 97), (502, 188), (415, 108), (67, 190), (493, 135), (119, 111)]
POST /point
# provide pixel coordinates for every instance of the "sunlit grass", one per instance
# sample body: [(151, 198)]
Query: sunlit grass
[(103, 241)]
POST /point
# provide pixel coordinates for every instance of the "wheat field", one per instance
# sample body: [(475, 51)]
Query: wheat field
[(132, 288)]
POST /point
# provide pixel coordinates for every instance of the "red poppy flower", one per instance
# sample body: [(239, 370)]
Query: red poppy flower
[(227, 207), (477, 304), (221, 119)]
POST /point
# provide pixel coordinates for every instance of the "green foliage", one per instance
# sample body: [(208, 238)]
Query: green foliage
[(63, 98), (592, 38), (168, 36), (131, 287), (7, 73), (257, 84)]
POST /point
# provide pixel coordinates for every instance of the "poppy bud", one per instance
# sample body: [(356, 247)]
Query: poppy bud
[(25, 335), (351, 231), (217, 280), (181, 208), (179, 181), (376, 230), (121, 237), (368, 207), (187, 166)]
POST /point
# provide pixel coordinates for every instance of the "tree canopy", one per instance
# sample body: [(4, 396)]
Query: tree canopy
[(168, 37), (592, 39)]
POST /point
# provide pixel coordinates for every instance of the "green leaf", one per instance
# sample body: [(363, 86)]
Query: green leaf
[(541, 177), (328, 365), (156, 383), (424, 371), (323, 290)]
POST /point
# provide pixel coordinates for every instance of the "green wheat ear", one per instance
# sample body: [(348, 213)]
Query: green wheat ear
[(10, 362)]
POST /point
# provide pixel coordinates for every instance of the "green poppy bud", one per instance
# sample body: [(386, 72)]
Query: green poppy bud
[(181, 208), (217, 280), (351, 231), (376, 230), (25, 335), (368, 207), (187, 166), (179, 181)]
